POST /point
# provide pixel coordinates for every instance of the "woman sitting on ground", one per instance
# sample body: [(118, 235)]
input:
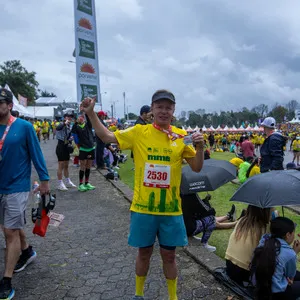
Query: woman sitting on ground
[(274, 265), (243, 241), (199, 217)]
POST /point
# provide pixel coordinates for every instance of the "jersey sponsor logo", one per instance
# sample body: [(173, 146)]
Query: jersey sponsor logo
[(159, 158)]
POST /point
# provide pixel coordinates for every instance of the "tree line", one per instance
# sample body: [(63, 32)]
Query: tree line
[(24, 82), (21, 81), (244, 117)]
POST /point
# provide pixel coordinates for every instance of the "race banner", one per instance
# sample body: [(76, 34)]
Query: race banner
[(22, 100), (86, 50)]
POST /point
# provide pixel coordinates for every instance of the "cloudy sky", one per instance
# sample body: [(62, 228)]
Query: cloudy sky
[(213, 54)]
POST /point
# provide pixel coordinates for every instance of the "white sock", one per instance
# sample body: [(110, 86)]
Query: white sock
[(60, 181)]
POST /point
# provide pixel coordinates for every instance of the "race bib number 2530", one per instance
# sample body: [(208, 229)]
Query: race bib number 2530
[(157, 176)]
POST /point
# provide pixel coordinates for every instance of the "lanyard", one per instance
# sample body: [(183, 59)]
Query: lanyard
[(171, 135), (10, 121)]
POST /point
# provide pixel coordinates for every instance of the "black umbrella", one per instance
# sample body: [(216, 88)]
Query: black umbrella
[(213, 174), (275, 188)]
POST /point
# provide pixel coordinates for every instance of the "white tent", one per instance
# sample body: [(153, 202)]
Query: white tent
[(53, 101), (294, 121), (18, 107), (204, 128), (226, 128), (42, 112), (189, 129), (212, 128), (196, 128)]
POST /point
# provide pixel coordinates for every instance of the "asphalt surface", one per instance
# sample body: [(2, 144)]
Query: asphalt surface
[(87, 256)]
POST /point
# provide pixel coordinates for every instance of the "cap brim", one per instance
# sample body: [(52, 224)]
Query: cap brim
[(5, 99), (270, 127), (164, 98)]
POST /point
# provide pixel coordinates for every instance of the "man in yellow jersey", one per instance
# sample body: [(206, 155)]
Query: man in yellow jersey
[(296, 149), (53, 126), (45, 130), (158, 149), (37, 127)]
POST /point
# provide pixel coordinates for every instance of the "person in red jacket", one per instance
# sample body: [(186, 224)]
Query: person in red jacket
[(247, 147)]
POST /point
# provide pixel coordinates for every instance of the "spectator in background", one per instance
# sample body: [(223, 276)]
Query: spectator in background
[(248, 168), (63, 134), (15, 113), (296, 149), (211, 139), (83, 129), (144, 115), (99, 143), (274, 265), (243, 241), (247, 147), (143, 118), (272, 149), (45, 130)]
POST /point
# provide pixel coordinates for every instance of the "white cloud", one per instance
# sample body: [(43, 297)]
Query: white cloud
[(213, 54)]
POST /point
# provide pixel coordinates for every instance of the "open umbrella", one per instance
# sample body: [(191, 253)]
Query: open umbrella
[(213, 174), (275, 188)]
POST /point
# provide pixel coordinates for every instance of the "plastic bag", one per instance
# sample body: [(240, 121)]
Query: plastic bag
[(76, 149)]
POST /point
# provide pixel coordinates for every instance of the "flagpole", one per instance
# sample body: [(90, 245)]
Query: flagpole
[(124, 96)]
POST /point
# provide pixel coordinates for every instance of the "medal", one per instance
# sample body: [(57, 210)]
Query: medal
[(171, 135)]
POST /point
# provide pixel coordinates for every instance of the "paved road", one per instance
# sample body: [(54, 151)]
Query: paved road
[(87, 257)]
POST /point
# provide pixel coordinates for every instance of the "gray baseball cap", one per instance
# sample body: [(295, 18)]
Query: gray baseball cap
[(269, 122)]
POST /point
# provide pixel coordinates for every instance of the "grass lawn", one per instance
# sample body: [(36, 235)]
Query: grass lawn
[(220, 201)]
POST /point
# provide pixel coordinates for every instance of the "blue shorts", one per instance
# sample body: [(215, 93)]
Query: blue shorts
[(144, 228)]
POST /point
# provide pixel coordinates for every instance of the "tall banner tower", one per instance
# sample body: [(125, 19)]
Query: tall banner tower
[(86, 51)]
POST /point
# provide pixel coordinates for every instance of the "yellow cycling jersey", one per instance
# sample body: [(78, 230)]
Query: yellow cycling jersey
[(158, 163)]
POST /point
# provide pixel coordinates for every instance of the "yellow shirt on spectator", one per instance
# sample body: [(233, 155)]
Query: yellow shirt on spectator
[(240, 252), (296, 145)]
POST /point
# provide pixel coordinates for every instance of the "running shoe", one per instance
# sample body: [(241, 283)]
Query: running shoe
[(62, 187), (89, 187), (232, 214), (209, 248), (70, 184), (25, 259), (82, 188), (6, 291), (138, 298)]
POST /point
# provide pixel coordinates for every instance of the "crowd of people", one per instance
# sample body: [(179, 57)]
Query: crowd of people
[(258, 251)]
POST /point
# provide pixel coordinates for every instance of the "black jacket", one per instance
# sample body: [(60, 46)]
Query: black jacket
[(140, 121), (85, 134), (194, 208), (98, 140), (271, 152)]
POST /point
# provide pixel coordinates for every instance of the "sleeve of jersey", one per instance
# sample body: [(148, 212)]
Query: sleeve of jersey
[(126, 137), (189, 151)]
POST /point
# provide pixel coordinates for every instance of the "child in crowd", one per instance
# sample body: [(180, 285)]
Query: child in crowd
[(274, 265)]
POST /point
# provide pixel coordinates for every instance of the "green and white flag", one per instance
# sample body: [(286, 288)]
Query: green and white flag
[(86, 50)]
